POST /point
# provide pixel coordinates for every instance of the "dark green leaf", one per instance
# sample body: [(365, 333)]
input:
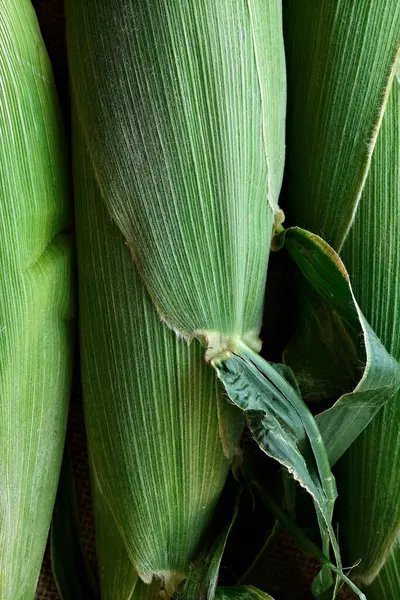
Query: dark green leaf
[(241, 593), (370, 472), (340, 56)]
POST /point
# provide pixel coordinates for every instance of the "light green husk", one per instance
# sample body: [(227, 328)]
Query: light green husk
[(35, 298), (151, 405)]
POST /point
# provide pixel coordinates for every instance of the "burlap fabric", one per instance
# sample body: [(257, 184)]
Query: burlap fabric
[(289, 572)]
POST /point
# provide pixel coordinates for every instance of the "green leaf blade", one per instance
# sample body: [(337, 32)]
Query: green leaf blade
[(376, 384), (285, 430)]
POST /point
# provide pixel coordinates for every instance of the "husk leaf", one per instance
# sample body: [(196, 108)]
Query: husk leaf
[(35, 298), (370, 471), (340, 56), (150, 401), (183, 106)]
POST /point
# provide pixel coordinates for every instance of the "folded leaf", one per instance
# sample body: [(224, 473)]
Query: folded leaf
[(284, 429), (332, 326)]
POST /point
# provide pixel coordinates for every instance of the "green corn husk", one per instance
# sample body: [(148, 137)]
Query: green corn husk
[(35, 298), (387, 584), (369, 473), (342, 97), (189, 161), (117, 575), (339, 56), (151, 407), (183, 107)]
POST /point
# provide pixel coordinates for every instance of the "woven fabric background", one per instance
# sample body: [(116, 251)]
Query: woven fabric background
[(289, 571)]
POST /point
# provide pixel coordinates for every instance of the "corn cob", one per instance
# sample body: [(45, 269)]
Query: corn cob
[(35, 298), (151, 406), (185, 131)]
